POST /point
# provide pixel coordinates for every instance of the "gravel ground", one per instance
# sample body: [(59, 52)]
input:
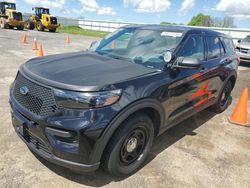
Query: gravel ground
[(203, 151)]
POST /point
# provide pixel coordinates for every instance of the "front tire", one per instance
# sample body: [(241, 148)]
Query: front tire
[(30, 25), (129, 146), (40, 26), (3, 23), (224, 99)]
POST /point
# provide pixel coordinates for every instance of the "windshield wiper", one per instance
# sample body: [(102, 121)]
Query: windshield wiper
[(113, 56)]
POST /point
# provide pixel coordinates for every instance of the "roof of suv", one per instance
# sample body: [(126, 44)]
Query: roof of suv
[(183, 29)]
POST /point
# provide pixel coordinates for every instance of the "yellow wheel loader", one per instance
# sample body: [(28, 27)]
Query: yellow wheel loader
[(42, 20), (9, 17)]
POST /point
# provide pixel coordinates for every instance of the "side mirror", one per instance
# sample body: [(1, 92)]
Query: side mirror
[(239, 41), (188, 62)]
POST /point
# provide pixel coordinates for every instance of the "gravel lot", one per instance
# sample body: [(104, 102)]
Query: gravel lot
[(204, 151)]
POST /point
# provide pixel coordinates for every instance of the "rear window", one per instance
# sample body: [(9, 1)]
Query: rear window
[(215, 48), (229, 45)]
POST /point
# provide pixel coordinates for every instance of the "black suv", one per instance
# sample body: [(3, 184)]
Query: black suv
[(105, 106)]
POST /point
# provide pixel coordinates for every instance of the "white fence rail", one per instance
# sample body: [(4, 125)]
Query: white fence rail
[(110, 26), (102, 25)]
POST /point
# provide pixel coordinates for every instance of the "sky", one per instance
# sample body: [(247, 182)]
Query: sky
[(144, 11)]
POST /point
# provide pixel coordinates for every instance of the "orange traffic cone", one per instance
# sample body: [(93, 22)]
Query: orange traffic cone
[(68, 39), (40, 51), (24, 39), (35, 45), (240, 114)]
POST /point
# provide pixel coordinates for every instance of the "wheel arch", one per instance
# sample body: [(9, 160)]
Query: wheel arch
[(150, 107), (232, 79)]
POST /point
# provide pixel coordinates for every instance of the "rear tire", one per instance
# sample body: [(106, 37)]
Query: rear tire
[(129, 146), (52, 30), (3, 23), (21, 27), (224, 99)]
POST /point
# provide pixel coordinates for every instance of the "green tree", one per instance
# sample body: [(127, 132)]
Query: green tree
[(170, 23), (201, 20)]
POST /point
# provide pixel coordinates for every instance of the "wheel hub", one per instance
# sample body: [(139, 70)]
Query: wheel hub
[(131, 145)]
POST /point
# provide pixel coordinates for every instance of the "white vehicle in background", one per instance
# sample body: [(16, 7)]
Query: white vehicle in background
[(243, 49)]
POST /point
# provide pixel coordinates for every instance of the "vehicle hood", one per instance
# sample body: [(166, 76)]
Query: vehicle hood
[(244, 45), (82, 71)]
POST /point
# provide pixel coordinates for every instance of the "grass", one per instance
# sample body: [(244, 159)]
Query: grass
[(76, 30)]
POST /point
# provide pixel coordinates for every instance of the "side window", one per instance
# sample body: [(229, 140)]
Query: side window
[(193, 47), (229, 46), (215, 48)]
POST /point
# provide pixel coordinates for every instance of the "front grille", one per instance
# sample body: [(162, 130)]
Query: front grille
[(244, 50), (39, 99), (53, 20), (36, 143), (245, 59)]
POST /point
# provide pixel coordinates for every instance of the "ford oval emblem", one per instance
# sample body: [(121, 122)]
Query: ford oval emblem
[(24, 90)]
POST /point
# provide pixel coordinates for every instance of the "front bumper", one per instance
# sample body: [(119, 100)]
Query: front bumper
[(68, 137), (244, 57), (26, 130)]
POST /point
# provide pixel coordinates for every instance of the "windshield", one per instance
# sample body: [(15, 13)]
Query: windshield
[(247, 39), (10, 6), (45, 11), (42, 11), (141, 46)]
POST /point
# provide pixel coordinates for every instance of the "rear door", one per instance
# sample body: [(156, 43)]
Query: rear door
[(230, 51), (214, 67)]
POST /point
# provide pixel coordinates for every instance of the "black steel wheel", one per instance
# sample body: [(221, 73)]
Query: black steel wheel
[(133, 146), (129, 146)]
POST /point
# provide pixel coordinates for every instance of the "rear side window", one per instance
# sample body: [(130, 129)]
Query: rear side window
[(229, 45), (193, 47), (215, 48)]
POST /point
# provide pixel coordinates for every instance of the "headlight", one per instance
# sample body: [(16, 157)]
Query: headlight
[(72, 99)]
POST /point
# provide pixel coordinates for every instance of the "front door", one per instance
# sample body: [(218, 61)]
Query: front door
[(190, 86)]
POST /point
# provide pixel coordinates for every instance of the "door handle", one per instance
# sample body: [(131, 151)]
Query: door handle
[(226, 61), (202, 69)]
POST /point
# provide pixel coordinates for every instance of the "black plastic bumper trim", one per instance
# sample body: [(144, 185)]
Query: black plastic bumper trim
[(61, 162), (60, 133)]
